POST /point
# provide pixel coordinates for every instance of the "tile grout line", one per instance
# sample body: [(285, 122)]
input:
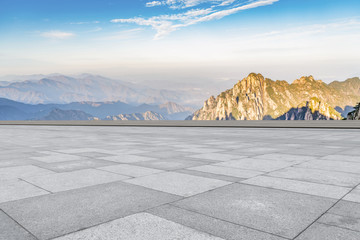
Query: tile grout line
[(19, 224), (326, 211)]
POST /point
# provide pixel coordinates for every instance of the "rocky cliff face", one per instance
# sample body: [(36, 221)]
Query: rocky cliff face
[(312, 110), (66, 115), (257, 98), (149, 115)]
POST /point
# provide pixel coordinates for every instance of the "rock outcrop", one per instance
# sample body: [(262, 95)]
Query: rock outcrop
[(354, 115), (257, 98), (311, 110)]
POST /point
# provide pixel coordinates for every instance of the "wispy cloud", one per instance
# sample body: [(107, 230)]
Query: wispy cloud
[(123, 35), (57, 34), (217, 9), (81, 23)]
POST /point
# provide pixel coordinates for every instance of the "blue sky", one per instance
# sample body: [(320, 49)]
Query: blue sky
[(181, 40)]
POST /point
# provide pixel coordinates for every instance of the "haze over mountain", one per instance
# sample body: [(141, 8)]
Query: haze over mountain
[(257, 98), (56, 88), (12, 110)]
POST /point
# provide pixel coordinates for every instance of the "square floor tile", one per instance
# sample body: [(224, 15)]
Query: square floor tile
[(321, 231), (10, 230), (178, 183), (316, 189), (227, 171), (217, 156), (58, 182), (286, 157), (141, 226), (274, 211), (170, 165), (318, 176), (340, 221), (58, 157), (54, 215), (74, 165), (127, 158), (346, 208), (15, 189), (21, 172), (350, 167), (210, 225), (346, 158), (353, 196), (130, 170), (257, 164)]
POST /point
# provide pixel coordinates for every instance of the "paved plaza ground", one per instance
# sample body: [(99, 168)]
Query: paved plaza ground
[(155, 183)]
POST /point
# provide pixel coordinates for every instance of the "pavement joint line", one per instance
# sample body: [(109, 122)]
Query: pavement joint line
[(19, 224), (317, 219), (223, 220), (36, 185), (333, 225)]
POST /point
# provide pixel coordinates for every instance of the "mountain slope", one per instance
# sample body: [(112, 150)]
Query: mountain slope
[(149, 115), (66, 115), (57, 88), (311, 110), (256, 98)]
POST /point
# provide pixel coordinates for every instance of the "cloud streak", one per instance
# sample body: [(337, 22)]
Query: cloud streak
[(216, 9), (57, 35)]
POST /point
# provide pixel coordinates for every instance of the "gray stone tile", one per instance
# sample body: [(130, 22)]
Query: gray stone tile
[(127, 158), (209, 175), (320, 231), (74, 165), (318, 176), (350, 167), (257, 164), (58, 157), (227, 171), (191, 149), (279, 212), (57, 214), (130, 170), (346, 158), (346, 208), (216, 156), (171, 164), (210, 225), (353, 196), (171, 154), (316, 189), (340, 221), (178, 183), (286, 157), (10, 230), (17, 189), (21, 172), (58, 182), (140, 226)]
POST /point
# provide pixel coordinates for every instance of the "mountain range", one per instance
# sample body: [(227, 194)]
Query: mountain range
[(257, 98), (57, 88), (13, 110)]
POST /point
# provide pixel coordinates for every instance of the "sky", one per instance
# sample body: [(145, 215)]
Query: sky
[(172, 42)]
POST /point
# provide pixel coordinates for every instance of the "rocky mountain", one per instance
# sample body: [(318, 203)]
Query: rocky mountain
[(66, 115), (257, 98), (149, 115), (56, 88), (313, 109), (354, 115), (12, 110)]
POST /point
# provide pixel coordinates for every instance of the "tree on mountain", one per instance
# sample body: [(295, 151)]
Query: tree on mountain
[(354, 115)]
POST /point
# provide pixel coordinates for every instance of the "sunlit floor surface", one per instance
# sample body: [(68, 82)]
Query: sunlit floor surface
[(178, 183)]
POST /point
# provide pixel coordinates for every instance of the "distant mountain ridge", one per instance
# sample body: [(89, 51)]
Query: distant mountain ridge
[(12, 110), (149, 115), (257, 98), (56, 88)]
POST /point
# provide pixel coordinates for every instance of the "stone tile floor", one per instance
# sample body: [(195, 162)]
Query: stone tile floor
[(159, 183)]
